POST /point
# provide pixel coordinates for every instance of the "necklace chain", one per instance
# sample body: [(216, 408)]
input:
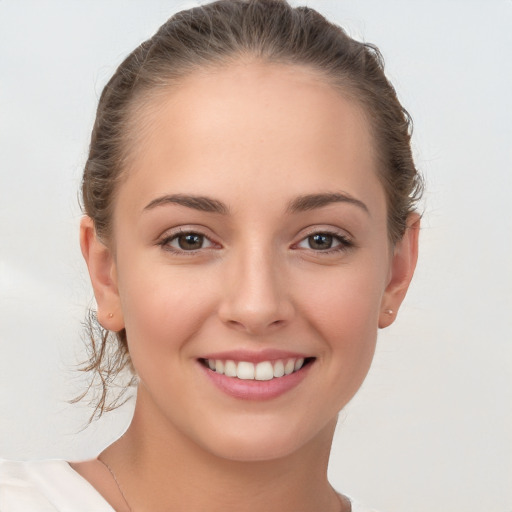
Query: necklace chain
[(117, 483), (126, 501)]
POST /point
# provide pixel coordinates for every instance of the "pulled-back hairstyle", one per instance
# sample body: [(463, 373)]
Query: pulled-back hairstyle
[(212, 36)]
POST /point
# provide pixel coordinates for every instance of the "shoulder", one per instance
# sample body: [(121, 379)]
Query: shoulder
[(44, 486)]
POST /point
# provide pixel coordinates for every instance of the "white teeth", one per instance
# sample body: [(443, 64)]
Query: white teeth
[(289, 366), (230, 369), (278, 369), (265, 370), (245, 371)]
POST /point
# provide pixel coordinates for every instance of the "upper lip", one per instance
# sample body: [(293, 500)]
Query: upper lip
[(254, 356)]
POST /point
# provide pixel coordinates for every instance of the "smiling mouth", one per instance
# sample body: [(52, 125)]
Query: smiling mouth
[(264, 370)]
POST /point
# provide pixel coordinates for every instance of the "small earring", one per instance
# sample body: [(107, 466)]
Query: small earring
[(388, 311), (111, 315)]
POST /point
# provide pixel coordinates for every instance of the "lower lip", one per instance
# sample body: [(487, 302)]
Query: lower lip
[(256, 389)]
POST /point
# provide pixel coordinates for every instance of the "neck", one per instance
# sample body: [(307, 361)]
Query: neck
[(158, 466)]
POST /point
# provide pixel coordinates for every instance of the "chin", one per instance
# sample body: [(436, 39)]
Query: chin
[(260, 443), (243, 451)]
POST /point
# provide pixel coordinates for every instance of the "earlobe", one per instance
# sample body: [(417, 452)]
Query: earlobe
[(102, 271), (403, 264)]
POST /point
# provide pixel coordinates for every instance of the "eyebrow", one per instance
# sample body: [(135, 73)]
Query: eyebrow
[(201, 203), (313, 201), (299, 204)]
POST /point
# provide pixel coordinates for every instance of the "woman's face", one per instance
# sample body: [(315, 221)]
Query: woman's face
[(249, 235)]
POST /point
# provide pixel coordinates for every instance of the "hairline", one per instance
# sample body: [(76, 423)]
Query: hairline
[(145, 102)]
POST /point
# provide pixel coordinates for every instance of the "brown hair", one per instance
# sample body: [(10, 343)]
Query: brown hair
[(216, 34)]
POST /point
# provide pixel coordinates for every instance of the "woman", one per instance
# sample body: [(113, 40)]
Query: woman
[(249, 225)]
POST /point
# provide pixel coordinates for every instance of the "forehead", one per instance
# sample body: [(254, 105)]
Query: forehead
[(254, 122)]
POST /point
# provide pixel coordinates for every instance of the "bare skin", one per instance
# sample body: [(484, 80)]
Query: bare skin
[(272, 486), (261, 141)]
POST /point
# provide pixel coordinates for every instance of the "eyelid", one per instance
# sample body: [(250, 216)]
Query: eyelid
[(327, 229), (171, 234), (346, 240)]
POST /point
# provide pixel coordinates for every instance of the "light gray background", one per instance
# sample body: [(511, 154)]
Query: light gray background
[(431, 429)]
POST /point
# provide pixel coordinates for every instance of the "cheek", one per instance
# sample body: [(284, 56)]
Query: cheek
[(343, 307), (163, 310), (349, 295)]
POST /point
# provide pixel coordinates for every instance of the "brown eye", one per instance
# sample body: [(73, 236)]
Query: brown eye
[(187, 242), (323, 241), (320, 241), (190, 241)]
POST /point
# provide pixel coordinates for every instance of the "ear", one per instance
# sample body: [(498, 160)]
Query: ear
[(102, 271), (403, 263)]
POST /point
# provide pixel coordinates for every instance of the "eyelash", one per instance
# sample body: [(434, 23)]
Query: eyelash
[(165, 242), (343, 242)]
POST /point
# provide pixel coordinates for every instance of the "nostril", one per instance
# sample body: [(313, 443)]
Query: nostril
[(256, 328), (253, 313), (235, 324)]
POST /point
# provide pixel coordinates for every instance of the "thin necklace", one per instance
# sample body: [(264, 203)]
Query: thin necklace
[(117, 483), (130, 508)]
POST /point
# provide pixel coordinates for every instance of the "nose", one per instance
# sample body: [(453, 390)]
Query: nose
[(255, 299)]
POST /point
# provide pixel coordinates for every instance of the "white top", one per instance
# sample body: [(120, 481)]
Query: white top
[(54, 486)]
